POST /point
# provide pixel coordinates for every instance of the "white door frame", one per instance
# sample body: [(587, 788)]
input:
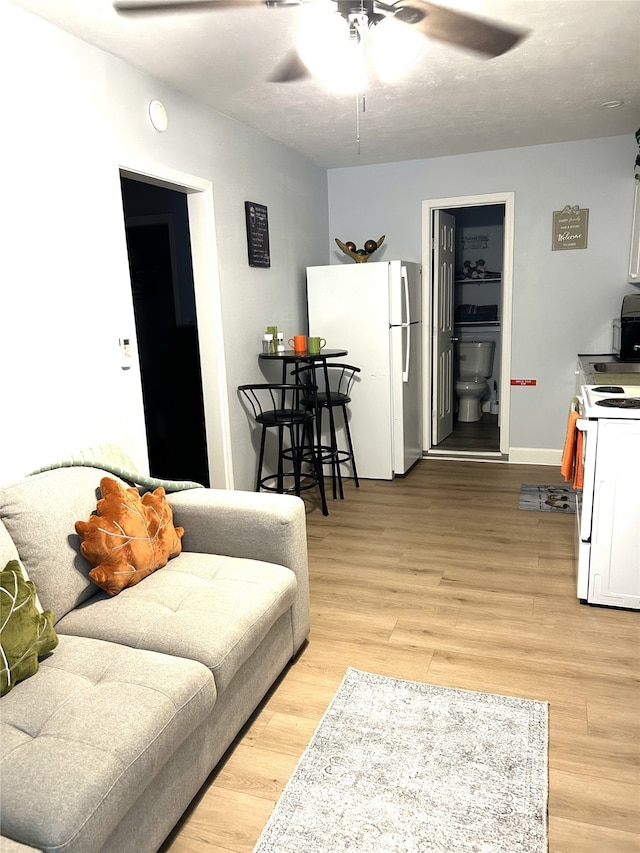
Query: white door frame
[(428, 206), (206, 280)]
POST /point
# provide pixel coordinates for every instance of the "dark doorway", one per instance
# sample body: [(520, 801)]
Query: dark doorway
[(159, 248)]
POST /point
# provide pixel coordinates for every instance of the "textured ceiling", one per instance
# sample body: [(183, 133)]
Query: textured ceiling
[(579, 54)]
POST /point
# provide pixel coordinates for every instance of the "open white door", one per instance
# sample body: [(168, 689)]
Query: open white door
[(444, 227)]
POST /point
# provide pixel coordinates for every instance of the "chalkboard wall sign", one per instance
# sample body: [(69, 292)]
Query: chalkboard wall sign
[(570, 228), (257, 234)]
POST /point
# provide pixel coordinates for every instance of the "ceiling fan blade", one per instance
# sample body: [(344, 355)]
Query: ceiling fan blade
[(157, 6), (290, 69), (456, 27)]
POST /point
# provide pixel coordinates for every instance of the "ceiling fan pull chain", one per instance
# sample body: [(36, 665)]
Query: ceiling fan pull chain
[(361, 101)]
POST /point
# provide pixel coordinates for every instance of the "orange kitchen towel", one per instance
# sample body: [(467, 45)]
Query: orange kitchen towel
[(571, 467), (569, 452), (578, 471)]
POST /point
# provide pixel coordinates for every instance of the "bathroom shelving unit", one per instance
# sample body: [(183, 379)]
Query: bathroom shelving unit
[(471, 324)]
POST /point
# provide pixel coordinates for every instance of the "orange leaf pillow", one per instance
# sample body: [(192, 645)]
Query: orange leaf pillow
[(130, 536)]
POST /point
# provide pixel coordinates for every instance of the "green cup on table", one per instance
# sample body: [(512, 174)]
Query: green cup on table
[(315, 345)]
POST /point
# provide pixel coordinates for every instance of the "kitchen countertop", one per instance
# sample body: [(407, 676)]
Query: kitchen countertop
[(594, 377)]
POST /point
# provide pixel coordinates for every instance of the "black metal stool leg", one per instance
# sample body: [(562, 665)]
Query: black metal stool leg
[(332, 448), (261, 458), (316, 456), (295, 456), (347, 433), (336, 472), (280, 480), (335, 454)]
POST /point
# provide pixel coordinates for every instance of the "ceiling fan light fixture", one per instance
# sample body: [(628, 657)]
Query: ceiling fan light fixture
[(333, 52), (395, 47)]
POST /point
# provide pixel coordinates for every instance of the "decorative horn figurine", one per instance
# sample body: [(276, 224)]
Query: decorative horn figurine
[(360, 256)]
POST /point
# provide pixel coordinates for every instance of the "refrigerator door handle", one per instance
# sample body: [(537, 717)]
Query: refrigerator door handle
[(406, 318), (407, 351)]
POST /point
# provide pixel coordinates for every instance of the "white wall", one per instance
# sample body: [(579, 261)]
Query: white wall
[(563, 301), (72, 116)]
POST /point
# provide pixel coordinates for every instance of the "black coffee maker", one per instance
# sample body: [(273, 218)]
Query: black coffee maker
[(627, 339)]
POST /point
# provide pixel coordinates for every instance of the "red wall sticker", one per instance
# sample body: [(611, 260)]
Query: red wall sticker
[(524, 381)]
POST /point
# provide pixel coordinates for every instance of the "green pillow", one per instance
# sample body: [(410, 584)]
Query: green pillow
[(25, 633), (25, 577)]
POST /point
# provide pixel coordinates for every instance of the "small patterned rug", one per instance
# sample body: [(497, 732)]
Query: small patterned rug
[(402, 767), (547, 498)]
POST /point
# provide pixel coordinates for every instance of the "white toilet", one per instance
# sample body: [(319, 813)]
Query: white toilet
[(475, 366)]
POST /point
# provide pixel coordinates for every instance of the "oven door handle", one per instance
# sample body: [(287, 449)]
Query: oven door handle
[(590, 429)]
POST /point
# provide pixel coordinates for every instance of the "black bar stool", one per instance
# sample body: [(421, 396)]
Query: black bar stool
[(333, 391), (281, 407)]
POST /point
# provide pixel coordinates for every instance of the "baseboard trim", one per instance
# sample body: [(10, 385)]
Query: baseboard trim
[(516, 456), (534, 456), (465, 455)]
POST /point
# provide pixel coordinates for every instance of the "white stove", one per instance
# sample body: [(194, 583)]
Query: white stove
[(610, 401), (608, 512)]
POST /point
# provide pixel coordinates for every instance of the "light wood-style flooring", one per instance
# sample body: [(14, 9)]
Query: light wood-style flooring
[(439, 577)]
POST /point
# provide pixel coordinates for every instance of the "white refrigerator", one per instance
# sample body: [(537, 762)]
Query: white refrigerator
[(374, 311)]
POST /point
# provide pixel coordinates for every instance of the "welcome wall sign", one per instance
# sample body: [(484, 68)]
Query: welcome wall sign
[(570, 228)]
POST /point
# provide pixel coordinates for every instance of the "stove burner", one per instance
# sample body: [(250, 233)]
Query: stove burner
[(609, 389), (616, 403)]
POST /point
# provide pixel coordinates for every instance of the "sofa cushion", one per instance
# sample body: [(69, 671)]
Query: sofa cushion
[(82, 741), (129, 537), (27, 633), (8, 550), (39, 513), (214, 609)]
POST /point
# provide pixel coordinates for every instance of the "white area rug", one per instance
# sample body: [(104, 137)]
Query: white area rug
[(403, 767)]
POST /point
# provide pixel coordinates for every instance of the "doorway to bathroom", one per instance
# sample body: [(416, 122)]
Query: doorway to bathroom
[(467, 275)]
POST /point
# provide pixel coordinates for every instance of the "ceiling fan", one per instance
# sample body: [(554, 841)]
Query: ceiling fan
[(427, 19)]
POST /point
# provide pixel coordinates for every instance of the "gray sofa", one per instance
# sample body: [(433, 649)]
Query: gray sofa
[(105, 746)]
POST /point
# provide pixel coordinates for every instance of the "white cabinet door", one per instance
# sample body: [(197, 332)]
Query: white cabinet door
[(614, 573)]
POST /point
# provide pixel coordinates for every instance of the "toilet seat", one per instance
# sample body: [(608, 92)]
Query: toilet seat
[(472, 383)]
